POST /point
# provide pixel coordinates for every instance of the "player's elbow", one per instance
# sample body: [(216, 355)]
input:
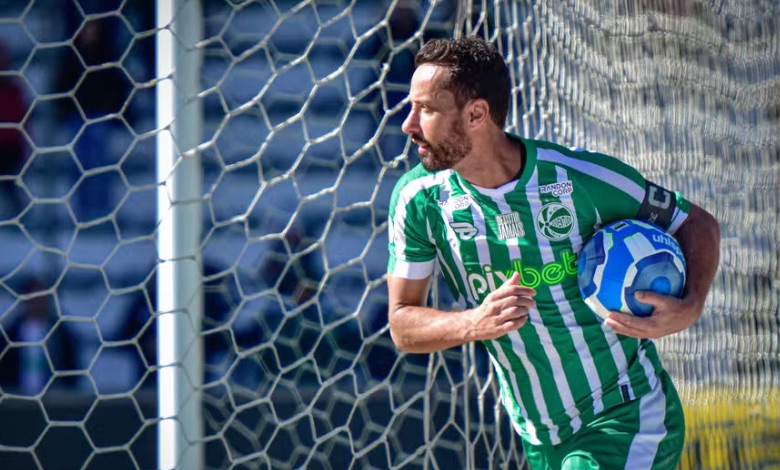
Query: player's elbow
[(395, 331), (398, 340), (715, 228), (398, 332), (707, 221), (700, 233)]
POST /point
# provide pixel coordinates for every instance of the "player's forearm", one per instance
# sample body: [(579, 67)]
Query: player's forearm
[(425, 330), (700, 242)]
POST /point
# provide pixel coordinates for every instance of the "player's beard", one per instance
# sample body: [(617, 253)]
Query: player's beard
[(448, 152)]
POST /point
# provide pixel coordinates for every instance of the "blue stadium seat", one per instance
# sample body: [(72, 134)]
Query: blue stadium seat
[(124, 263), (18, 249), (240, 136), (238, 81), (110, 370)]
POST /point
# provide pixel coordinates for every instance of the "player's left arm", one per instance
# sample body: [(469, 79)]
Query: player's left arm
[(699, 238)]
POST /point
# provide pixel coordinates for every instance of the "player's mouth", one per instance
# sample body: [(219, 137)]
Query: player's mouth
[(422, 147)]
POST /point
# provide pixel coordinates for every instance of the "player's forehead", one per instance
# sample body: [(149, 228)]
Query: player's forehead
[(428, 85)]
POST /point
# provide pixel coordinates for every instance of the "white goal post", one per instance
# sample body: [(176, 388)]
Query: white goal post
[(207, 241), (179, 280)]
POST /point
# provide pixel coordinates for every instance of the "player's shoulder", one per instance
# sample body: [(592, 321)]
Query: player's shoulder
[(414, 182), (551, 151), (420, 179), (579, 159), (415, 173)]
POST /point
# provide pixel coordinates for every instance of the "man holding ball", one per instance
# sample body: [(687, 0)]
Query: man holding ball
[(506, 218)]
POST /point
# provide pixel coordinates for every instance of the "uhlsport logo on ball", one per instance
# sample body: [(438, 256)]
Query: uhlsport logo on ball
[(627, 256)]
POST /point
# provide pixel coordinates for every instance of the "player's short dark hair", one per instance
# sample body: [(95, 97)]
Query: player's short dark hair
[(476, 70)]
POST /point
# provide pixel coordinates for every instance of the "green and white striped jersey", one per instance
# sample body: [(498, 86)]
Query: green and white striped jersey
[(563, 366)]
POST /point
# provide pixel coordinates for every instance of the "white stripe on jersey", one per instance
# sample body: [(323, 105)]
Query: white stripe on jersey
[(412, 270), (512, 381), (398, 223), (647, 365), (497, 195), (518, 346), (564, 390), (677, 219), (454, 242), (597, 171), (588, 364), (652, 412)]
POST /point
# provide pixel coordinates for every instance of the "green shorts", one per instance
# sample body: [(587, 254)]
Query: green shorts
[(646, 433)]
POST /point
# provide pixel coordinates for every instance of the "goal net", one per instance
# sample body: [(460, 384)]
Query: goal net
[(300, 104)]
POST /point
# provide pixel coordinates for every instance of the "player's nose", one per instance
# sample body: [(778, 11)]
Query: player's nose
[(411, 124)]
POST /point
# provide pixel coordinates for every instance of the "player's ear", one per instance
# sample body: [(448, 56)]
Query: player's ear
[(478, 113)]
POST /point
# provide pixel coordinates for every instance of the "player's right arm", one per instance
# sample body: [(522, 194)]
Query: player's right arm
[(419, 329)]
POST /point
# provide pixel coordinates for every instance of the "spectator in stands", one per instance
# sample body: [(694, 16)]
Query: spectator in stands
[(13, 146), (99, 92), (49, 344)]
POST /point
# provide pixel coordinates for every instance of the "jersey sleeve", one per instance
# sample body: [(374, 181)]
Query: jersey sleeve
[(619, 191), (411, 251)]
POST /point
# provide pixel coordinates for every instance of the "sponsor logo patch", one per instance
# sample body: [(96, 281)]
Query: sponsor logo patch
[(464, 230), (560, 188), (509, 226), (455, 203), (487, 278)]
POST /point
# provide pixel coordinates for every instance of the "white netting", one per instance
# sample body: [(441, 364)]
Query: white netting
[(302, 103)]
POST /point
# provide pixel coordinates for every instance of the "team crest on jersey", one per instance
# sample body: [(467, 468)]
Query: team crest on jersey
[(464, 230), (509, 226), (555, 221)]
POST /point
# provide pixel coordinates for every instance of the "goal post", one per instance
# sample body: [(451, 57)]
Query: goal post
[(179, 272), (209, 233)]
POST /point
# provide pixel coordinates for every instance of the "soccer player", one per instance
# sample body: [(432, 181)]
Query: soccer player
[(506, 218)]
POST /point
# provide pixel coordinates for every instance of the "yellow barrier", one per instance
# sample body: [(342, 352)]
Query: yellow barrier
[(725, 431)]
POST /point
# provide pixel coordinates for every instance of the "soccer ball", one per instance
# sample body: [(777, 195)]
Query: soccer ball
[(627, 256)]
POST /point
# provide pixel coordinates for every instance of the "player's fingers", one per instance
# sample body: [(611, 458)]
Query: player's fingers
[(621, 319), (630, 325), (514, 324), (514, 312), (512, 284), (648, 297), (634, 332), (621, 329), (514, 279), (656, 300), (515, 301), (520, 291), (509, 290)]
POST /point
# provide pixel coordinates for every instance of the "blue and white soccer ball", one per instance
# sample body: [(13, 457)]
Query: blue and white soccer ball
[(627, 256)]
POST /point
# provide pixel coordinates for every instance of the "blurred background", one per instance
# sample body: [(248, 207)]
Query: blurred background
[(79, 218), (302, 103)]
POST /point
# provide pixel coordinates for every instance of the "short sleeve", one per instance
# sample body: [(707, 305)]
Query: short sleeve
[(411, 250)]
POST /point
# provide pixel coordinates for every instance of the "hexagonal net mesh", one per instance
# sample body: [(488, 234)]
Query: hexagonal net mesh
[(301, 103)]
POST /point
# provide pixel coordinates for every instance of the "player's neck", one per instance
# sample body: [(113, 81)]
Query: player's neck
[(493, 162)]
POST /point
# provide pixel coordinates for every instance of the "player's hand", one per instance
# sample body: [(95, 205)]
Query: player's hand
[(669, 316), (503, 310)]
